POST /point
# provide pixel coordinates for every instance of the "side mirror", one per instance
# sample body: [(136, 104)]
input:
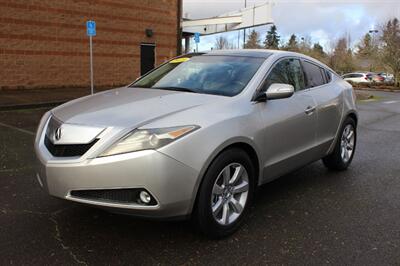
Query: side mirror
[(279, 91), (275, 91)]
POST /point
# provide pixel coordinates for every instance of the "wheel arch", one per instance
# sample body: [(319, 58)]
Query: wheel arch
[(352, 114), (241, 143)]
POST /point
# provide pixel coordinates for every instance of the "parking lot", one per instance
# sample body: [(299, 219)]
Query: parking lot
[(311, 216)]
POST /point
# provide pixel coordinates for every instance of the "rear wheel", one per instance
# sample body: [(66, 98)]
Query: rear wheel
[(345, 146), (225, 194)]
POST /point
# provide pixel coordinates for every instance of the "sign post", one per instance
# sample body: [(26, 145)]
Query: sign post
[(91, 31), (197, 40)]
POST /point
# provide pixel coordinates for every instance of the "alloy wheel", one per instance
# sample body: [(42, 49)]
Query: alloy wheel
[(347, 143), (230, 193)]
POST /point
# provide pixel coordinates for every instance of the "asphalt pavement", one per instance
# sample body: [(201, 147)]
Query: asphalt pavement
[(310, 217)]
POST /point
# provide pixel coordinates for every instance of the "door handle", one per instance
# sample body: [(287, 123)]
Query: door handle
[(309, 110)]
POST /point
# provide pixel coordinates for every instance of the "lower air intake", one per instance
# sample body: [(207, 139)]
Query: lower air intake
[(121, 196)]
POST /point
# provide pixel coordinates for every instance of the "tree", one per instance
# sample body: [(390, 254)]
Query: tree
[(292, 44), (318, 52), (391, 47), (253, 41), (221, 43), (365, 47), (318, 49), (342, 57), (367, 52), (305, 45), (272, 39)]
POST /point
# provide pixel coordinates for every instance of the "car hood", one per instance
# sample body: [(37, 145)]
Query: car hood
[(128, 107)]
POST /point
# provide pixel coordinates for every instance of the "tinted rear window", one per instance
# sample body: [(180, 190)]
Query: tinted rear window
[(313, 74)]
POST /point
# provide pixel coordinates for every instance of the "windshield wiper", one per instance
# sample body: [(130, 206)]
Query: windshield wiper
[(172, 88)]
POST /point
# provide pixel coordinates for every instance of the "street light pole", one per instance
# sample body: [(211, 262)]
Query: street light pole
[(373, 33)]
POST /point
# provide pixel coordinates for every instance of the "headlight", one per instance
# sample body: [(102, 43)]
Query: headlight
[(147, 139)]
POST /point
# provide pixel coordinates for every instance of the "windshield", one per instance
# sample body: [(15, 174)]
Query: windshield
[(219, 75)]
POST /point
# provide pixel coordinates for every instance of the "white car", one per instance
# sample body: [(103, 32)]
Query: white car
[(357, 77)]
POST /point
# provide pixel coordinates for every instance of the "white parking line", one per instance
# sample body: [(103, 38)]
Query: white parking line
[(390, 102), (19, 129)]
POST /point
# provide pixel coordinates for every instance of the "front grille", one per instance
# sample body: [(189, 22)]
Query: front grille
[(67, 150), (123, 196)]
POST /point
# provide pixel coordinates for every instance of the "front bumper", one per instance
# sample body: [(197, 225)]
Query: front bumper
[(169, 181)]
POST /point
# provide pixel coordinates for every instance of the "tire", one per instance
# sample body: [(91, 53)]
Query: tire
[(337, 160), (212, 219)]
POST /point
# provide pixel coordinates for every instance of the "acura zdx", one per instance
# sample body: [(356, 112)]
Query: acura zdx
[(196, 136)]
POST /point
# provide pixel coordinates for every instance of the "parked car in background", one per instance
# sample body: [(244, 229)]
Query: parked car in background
[(374, 77), (357, 77), (196, 136), (388, 78)]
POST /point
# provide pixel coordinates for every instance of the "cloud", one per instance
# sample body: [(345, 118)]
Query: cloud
[(322, 21)]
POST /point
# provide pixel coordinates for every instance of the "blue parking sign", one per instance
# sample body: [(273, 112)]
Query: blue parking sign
[(91, 28), (197, 37)]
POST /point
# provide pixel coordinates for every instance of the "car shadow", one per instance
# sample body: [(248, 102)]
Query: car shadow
[(287, 203)]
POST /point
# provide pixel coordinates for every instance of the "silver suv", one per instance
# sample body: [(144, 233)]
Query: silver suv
[(197, 135)]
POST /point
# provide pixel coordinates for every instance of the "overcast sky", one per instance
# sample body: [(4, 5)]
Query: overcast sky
[(323, 21)]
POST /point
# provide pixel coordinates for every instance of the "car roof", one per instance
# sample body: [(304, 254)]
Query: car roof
[(242, 52), (263, 53)]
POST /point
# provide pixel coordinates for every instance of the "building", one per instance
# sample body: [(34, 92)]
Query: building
[(43, 43)]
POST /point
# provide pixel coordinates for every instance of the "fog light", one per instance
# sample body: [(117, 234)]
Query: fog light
[(145, 197)]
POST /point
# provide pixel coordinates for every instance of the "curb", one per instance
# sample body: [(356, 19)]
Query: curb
[(30, 106), (370, 89)]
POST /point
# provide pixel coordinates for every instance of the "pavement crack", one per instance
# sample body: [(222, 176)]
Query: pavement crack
[(58, 237)]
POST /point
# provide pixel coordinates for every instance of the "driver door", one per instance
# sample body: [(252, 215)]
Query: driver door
[(289, 130)]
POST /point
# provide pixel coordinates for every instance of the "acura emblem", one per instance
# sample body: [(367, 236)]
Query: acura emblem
[(57, 134)]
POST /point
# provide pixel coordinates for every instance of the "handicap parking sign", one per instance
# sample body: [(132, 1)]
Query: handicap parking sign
[(197, 37), (91, 28)]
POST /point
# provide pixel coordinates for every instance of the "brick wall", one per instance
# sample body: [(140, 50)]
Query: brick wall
[(43, 43)]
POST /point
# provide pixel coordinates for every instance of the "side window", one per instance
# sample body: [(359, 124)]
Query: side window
[(323, 75), (287, 71), (328, 76), (313, 74)]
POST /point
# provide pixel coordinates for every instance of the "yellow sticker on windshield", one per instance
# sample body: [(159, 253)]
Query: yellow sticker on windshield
[(179, 60)]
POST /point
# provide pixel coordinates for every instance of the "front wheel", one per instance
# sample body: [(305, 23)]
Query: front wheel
[(345, 146), (225, 194)]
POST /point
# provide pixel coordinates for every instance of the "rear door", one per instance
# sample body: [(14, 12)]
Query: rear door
[(327, 95), (289, 124)]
